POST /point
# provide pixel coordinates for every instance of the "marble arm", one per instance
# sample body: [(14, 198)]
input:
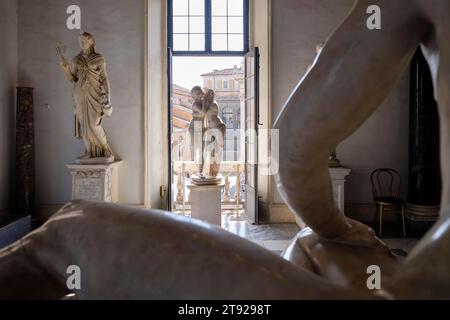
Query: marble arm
[(350, 78), (129, 253), (106, 85), (65, 65)]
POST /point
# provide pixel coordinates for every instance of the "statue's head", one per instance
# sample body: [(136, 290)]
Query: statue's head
[(87, 41), (210, 95), (197, 93)]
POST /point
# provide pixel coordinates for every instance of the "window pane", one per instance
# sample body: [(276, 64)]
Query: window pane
[(180, 7), (219, 42), (197, 7), (219, 25), (235, 25), (236, 42), (219, 7), (196, 25), (197, 42), (180, 25), (180, 42), (235, 7)]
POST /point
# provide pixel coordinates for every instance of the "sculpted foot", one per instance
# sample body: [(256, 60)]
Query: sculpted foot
[(343, 261), (360, 235)]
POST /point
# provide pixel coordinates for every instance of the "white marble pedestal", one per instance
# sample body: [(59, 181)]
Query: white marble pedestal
[(206, 203), (338, 177), (95, 182)]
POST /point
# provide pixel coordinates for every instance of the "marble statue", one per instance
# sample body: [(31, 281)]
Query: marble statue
[(357, 69), (196, 127), (127, 253), (207, 132), (215, 135), (333, 161), (91, 93)]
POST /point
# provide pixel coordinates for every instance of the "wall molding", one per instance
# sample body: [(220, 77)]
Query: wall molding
[(156, 104)]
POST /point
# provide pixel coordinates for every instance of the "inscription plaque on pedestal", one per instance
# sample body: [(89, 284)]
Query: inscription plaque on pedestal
[(89, 188), (95, 182)]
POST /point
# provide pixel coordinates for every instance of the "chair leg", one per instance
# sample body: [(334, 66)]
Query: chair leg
[(381, 219), (403, 221)]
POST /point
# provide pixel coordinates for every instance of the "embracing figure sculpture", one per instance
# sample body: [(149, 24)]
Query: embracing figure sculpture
[(207, 132), (155, 255)]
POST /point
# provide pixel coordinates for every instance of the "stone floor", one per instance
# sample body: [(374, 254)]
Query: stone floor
[(273, 237), (276, 237)]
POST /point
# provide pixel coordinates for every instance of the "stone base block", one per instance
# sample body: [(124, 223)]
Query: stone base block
[(207, 203), (95, 182)]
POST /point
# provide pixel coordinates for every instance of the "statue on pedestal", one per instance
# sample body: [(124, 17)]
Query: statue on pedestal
[(207, 133), (91, 93)]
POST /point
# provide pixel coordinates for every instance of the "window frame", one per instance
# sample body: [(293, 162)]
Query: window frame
[(208, 33)]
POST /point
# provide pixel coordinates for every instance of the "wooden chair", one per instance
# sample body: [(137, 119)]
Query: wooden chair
[(386, 186)]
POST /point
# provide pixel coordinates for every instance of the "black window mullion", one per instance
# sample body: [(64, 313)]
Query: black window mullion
[(189, 25), (246, 25), (228, 30), (170, 24), (208, 26)]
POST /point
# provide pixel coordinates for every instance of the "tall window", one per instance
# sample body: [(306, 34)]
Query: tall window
[(208, 27)]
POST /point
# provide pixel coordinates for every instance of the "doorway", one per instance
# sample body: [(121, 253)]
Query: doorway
[(208, 47)]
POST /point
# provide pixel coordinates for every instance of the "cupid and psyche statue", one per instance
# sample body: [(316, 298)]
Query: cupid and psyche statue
[(91, 93), (207, 132)]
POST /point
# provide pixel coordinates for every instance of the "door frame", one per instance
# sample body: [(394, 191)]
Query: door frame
[(155, 104)]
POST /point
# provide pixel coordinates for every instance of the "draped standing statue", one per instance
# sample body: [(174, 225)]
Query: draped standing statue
[(92, 99)]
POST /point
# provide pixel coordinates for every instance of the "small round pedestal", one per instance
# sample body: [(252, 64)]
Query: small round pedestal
[(201, 180)]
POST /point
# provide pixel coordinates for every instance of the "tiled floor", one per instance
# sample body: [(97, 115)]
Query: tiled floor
[(273, 237), (276, 237)]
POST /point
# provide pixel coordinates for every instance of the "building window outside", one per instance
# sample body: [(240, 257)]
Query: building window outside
[(225, 84), (228, 117)]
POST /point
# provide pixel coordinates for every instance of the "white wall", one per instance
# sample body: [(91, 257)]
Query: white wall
[(297, 26), (8, 83), (119, 28)]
